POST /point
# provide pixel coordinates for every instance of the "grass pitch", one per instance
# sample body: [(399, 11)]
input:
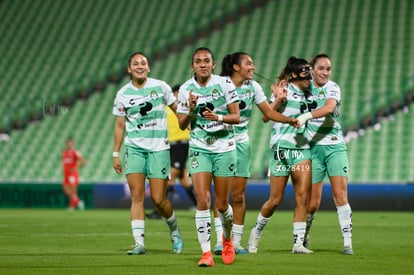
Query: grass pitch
[(54, 241)]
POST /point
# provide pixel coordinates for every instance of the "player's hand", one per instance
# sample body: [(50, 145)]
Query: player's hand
[(208, 114), (116, 164), (294, 122), (193, 102), (279, 90)]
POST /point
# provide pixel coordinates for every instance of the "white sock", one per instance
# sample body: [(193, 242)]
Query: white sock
[(138, 228), (203, 227), (219, 229), (237, 234), (299, 229), (227, 222), (260, 224), (172, 223), (345, 222)]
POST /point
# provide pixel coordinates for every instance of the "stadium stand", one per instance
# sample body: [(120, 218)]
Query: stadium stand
[(71, 57)]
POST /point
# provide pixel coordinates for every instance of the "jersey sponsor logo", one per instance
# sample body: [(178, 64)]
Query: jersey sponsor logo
[(147, 125), (233, 94)]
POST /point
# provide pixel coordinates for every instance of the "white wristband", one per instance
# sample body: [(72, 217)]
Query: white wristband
[(304, 117), (115, 154), (220, 118)]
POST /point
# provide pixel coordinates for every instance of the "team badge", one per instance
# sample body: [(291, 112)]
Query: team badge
[(215, 95), (194, 163), (153, 95), (321, 95)]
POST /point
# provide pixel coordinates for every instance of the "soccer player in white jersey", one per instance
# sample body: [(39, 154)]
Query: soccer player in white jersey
[(139, 108), (290, 155), (328, 149), (209, 103), (240, 68)]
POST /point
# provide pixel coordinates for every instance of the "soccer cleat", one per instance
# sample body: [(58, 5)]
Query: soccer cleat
[(240, 250), (228, 255), (348, 250), (300, 249), (206, 260), (218, 249), (253, 242), (81, 205), (137, 250), (177, 242)]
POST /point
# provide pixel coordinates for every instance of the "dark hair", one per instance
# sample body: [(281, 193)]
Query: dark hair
[(202, 49), (316, 57), (292, 65), (175, 88), (136, 53), (229, 60)]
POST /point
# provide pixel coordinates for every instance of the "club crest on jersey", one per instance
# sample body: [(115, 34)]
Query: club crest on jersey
[(153, 95), (215, 94), (321, 95), (248, 94)]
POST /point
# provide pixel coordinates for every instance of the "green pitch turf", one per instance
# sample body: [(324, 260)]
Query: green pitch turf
[(45, 241)]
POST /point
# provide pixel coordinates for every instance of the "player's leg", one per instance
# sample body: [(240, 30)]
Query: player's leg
[(218, 228), (301, 180), (238, 190), (315, 198), (136, 183), (277, 189), (340, 194), (318, 155), (202, 187), (224, 168), (158, 171), (338, 166)]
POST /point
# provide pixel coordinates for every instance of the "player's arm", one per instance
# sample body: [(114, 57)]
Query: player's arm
[(118, 138), (327, 109), (271, 114)]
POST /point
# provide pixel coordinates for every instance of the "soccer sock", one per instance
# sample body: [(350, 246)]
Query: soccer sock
[(345, 222), (172, 223), (299, 229), (227, 222), (260, 224), (74, 201), (219, 229), (309, 222), (237, 234), (203, 227), (190, 193), (138, 227)]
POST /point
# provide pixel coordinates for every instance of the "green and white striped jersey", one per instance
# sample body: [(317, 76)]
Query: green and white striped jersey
[(283, 135), (144, 108), (325, 130), (249, 93), (206, 135)]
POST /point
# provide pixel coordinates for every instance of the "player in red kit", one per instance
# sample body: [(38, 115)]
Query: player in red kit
[(72, 159)]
